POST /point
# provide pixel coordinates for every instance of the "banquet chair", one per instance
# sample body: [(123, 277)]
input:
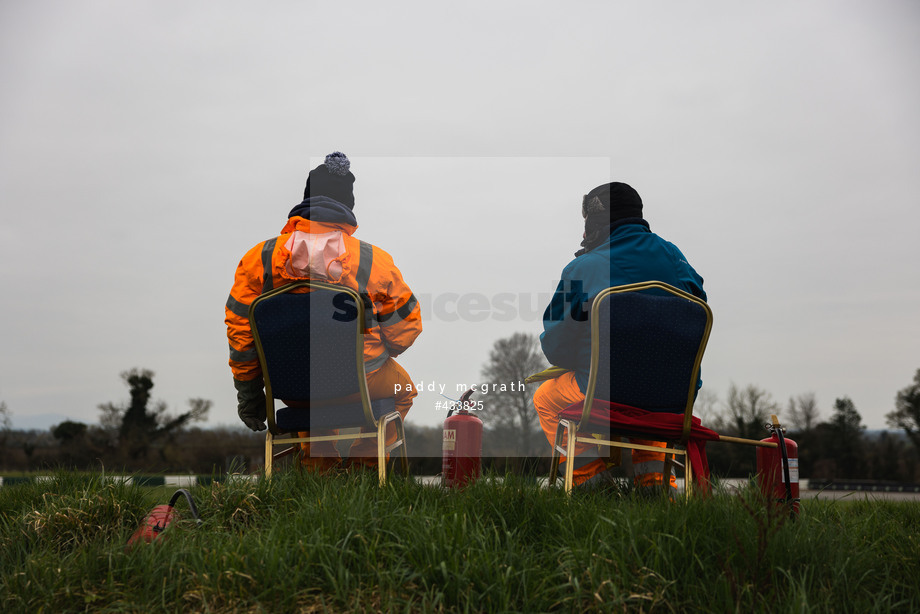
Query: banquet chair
[(647, 344), (310, 343)]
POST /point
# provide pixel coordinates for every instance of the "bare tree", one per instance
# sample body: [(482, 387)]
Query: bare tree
[(706, 408), (804, 412), (6, 424), (749, 409), (907, 411), (508, 404), (744, 413)]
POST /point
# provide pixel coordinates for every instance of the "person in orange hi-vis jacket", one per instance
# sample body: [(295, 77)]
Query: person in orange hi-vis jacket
[(317, 243)]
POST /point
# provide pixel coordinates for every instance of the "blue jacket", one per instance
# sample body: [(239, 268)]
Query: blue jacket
[(631, 254)]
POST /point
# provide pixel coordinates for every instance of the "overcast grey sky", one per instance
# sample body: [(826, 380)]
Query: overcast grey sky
[(145, 146)]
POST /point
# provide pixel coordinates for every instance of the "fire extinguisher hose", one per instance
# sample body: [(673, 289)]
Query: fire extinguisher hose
[(188, 498), (782, 449)]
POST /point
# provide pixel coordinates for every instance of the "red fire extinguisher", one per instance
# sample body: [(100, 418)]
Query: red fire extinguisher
[(778, 468), (461, 462), (161, 517)]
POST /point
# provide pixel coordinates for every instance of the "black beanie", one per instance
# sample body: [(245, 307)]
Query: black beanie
[(617, 200), (333, 179), (603, 207)]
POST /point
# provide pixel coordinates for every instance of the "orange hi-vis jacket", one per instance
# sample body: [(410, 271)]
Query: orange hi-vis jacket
[(324, 251)]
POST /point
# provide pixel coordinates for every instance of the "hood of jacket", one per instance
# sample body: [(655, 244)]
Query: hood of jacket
[(319, 214), (604, 238), (324, 209), (314, 248)]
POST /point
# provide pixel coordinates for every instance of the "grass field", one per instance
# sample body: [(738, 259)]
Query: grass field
[(299, 543)]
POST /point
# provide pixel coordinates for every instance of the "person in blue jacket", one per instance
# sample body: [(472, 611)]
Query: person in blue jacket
[(618, 248)]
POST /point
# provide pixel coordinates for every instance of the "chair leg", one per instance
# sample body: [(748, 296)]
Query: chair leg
[(670, 461), (401, 434), (382, 451), (268, 454), (557, 455), (666, 472), (569, 454)]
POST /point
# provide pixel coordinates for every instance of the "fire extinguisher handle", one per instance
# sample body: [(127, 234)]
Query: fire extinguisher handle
[(461, 404)]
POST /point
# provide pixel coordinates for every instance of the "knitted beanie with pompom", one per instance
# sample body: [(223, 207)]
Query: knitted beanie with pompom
[(333, 179)]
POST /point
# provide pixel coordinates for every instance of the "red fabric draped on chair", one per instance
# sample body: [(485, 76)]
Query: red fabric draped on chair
[(626, 420)]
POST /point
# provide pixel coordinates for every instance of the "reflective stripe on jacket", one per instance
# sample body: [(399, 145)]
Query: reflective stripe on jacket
[(393, 323)]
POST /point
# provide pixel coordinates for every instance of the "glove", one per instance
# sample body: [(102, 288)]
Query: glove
[(250, 396)]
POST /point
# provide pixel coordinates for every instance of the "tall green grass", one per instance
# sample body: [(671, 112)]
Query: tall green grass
[(300, 543)]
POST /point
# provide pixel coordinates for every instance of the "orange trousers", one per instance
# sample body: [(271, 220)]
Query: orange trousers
[(323, 455), (553, 396)]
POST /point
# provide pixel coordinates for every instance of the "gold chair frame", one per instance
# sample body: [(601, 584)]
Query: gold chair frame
[(275, 437), (568, 430)]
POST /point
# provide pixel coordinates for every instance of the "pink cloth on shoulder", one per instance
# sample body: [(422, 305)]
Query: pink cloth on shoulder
[(316, 255)]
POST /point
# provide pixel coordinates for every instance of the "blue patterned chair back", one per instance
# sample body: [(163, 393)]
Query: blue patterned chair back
[(293, 327), (648, 348)]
